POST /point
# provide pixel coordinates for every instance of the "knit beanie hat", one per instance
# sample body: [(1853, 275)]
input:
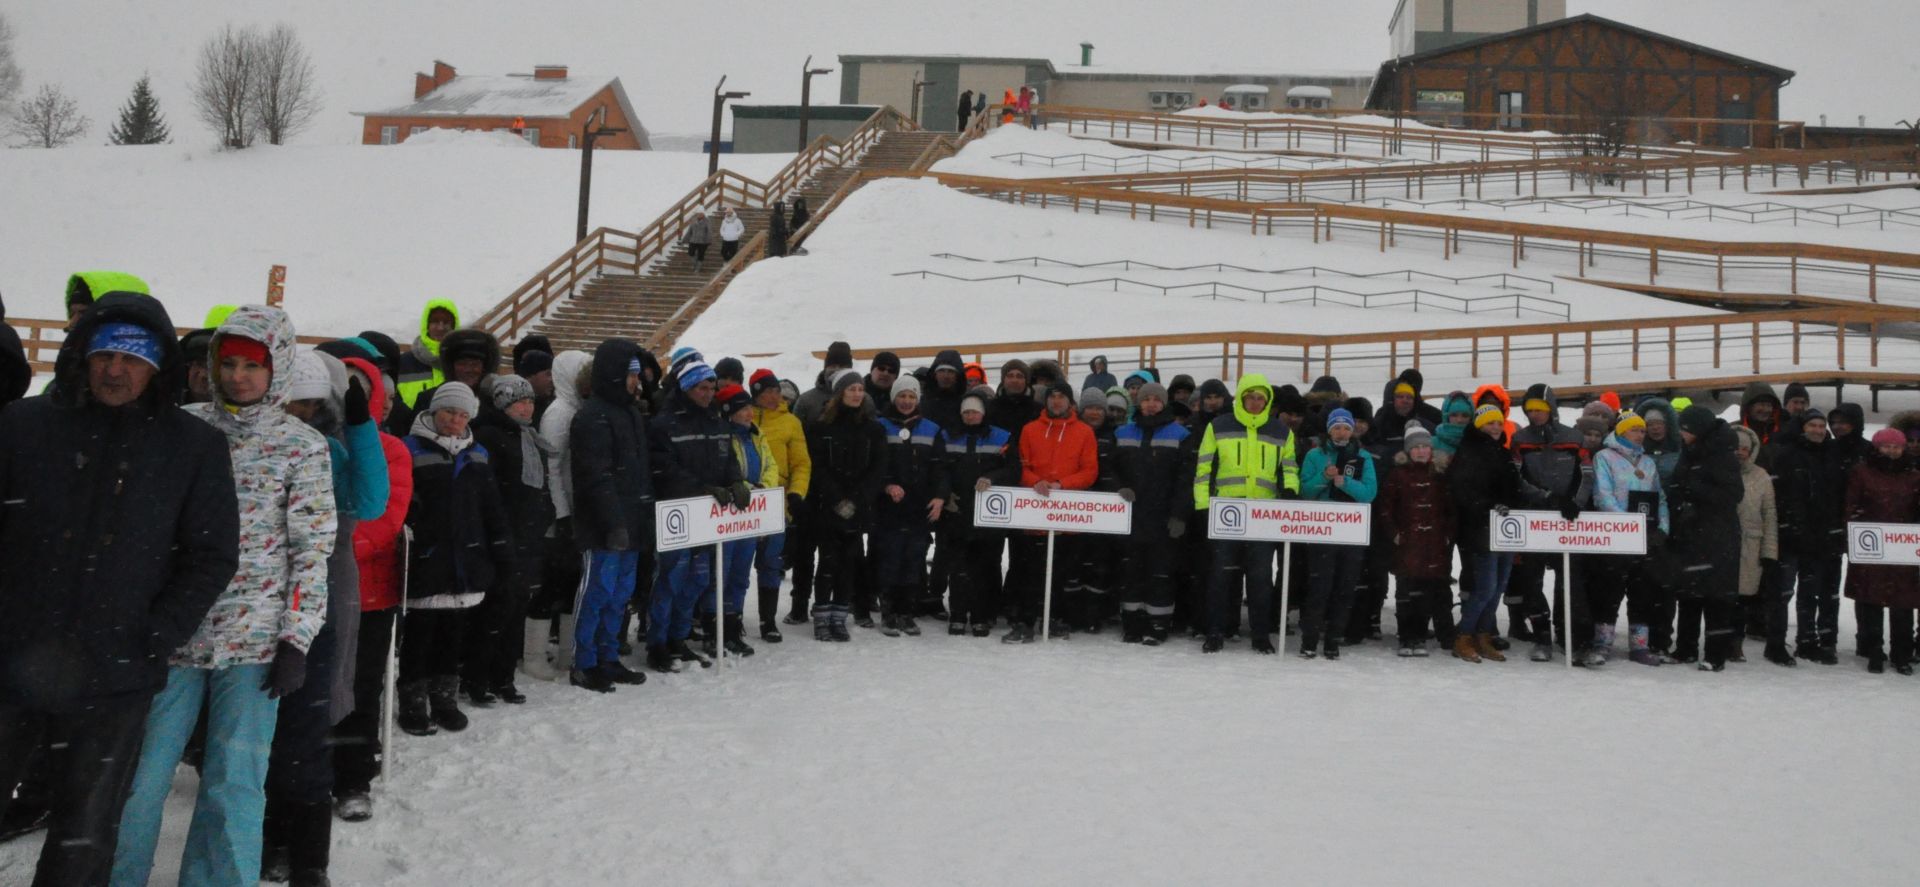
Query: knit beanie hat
[(682, 353), (1064, 390), (903, 385), (887, 360), (763, 380), (1628, 422), (839, 354), (455, 396), (1610, 399), (1487, 415), (1287, 399), (693, 372), (1339, 416), (1889, 436), (1181, 382), (973, 403), (1600, 410), (730, 369), (511, 389), (732, 399), (1014, 364), (310, 378), (1811, 414), (1117, 400), (1157, 391), (1092, 399), (1590, 425), (1417, 436), (1697, 420), (844, 379), (532, 363)]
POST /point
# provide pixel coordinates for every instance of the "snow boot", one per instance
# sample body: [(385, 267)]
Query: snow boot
[(1642, 649), (508, 693), (822, 623), (1876, 663), (1404, 652), (1541, 653), (1713, 666), (617, 672), (1214, 643), (956, 629), (1501, 644), (443, 698), (353, 807), (890, 625), (477, 693), (1263, 643), (1778, 655), (310, 878), (1133, 626), (736, 643), (533, 661), (1903, 669), (982, 629), (416, 716), (276, 864), (837, 623), (1018, 634), (1331, 653), (795, 617), (1157, 631), (684, 653), (590, 679), (658, 659), (907, 626), (1489, 650), (770, 632), (1463, 648), (1603, 641), (1420, 650)]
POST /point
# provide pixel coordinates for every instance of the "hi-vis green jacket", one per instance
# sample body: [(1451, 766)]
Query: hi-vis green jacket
[(420, 367), (1246, 455)]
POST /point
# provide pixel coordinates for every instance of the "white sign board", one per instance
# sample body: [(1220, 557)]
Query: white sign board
[(696, 521), (1290, 520), (1594, 532), (1065, 511), (1883, 544)]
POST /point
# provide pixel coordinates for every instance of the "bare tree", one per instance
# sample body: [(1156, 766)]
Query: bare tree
[(284, 98), (47, 120), (223, 81), (9, 71)]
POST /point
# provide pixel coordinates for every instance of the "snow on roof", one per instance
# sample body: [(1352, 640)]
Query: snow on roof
[(511, 95)]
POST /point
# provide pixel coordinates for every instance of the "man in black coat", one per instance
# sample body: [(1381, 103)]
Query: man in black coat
[(15, 373), (612, 511), (1704, 502), (118, 530), (1810, 493), (691, 449)]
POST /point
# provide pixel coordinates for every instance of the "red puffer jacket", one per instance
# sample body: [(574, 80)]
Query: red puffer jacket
[(376, 543)]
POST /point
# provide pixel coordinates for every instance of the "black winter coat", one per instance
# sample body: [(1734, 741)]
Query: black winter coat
[(1481, 476), (1013, 411), (529, 509), (1153, 460), (16, 375), (1704, 511), (849, 461), (914, 463), (118, 528), (1810, 493), (612, 481), (691, 448), (461, 541), (970, 453)]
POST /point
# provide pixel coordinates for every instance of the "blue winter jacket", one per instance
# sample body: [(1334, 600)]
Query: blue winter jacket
[(360, 485), (1621, 469), (1363, 482)]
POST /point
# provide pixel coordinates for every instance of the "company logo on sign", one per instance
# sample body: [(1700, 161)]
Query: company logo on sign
[(674, 527), (1232, 519), (1512, 532), (996, 507), (1869, 544)]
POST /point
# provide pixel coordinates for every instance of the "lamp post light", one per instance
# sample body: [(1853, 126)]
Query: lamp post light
[(806, 95), (713, 146), (918, 86), (588, 133)]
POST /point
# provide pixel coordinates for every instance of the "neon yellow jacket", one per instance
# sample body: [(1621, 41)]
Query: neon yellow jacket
[(1246, 455), (420, 365)]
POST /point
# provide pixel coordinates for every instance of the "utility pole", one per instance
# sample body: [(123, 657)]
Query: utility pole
[(588, 133), (713, 146), (807, 70)]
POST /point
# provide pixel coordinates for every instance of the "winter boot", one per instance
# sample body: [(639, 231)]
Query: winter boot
[(1603, 642), (890, 625), (982, 629), (1488, 650), (509, 694), (956, 629), (1463, 648), (309, 841), (590, 679), (415, 716), (770, 631), (534, 660), (1133, 626), (477, 693), (1541, 653), (1876, 662), (907, 626), (1263, 643), (353, 807), (1778, 655), (822, 623), (658, 659), (1214, 643), (837, 624), (276, 863), (310, 878), (1158, 629), (685, 653), (1018, 634), (736, 643), (1642, 650), (617, 672), (443, 699)]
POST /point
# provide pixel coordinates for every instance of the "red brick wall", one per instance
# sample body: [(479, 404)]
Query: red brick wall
[(553, 132)]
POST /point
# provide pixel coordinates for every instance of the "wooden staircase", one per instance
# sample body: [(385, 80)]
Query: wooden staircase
[(638, 306)]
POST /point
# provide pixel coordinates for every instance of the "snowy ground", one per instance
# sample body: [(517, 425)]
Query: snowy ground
[(367, 233), (960, 761)]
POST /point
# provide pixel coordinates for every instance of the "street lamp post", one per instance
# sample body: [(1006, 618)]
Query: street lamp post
[(919, 85), (587, 134), (719, 99), (806, 95)]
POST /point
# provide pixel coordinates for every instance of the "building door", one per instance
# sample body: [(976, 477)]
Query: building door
[(941, 97), (1736, 135)]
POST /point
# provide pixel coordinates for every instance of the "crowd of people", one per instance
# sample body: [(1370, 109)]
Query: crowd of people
[(223, 549)]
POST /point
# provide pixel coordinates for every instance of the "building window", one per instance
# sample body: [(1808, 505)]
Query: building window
[(1510, 106), (416, 130), (532, 135), (573, 141), (1167, 100), (389, 135)]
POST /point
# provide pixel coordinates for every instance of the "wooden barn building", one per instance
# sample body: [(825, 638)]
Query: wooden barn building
[(1577, 71), (549, 108)]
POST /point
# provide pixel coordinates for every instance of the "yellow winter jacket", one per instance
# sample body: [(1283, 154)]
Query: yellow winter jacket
[(769, 467), (1246, 455), (781, 430)]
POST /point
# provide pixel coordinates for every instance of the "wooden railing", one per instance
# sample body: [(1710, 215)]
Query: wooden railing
[(1767, 339), (1868, 267), (1290, 133), (631, 253), (41, 339)]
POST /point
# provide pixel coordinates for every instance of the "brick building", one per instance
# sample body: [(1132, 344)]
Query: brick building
[(549, 108), (1586, 68)]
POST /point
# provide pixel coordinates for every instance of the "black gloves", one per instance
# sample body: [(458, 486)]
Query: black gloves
[(742, 494), (618, 539), (355, 404), (288, 673), (1569, 510), (1655, 538), (1286, 493), (796, 504), (1501, 510), (722, 495)]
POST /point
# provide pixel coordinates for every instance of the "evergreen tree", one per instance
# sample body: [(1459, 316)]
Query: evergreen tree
[(140, 120)]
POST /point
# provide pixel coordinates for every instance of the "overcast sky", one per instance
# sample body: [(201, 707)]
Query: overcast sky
[(1853, 56)]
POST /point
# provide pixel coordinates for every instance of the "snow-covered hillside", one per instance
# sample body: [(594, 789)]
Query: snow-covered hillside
[(367, 233)]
